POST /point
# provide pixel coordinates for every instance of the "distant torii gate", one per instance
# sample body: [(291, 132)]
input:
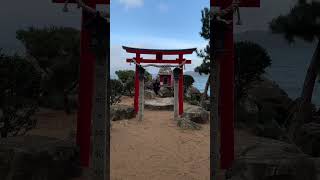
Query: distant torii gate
[(158, 60), (222, 51)]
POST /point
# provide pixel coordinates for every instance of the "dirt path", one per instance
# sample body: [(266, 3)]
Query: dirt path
[(154, 149)]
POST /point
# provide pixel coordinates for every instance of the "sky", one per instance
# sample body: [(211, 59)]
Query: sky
[(164, 24)]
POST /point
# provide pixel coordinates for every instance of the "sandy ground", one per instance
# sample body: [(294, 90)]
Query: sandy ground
[(153, 149)]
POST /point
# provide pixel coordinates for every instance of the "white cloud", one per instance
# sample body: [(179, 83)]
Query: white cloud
[(163, 7), (132, 3)]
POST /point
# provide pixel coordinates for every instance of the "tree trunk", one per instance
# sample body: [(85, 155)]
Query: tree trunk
[(311, 76), (206, 88), (302, 113)]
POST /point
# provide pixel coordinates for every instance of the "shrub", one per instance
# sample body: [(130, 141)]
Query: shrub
[(187, 81), (19, 92), (116, 91), (126, 77)]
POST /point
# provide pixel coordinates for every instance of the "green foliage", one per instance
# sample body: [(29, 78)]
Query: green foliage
[(204, 54), (19, 92), (252, 61), (194, 99), (302, 22), (187, 81), (55, 51), (127, 79), (116, 91)]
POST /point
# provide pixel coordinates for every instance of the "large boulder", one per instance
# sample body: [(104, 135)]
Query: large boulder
[(267, 94), (265, 159), (308, 138), (192, 92), (206, 105), (159, 104), (267, 90), (38, 157), (166, 92), (121, 112), (148, 85), (149, 94), (196, 114), (265, 109)]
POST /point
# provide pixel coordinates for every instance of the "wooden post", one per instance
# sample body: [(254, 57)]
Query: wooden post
[(101, 117), (141, 89), (181, 89), (85, 92), (87, 60), (176, 73), (136, 85), (214, 103), (227, 80)]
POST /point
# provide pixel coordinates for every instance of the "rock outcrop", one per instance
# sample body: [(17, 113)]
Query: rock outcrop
[(38, 157), (264, 109), (196, 114), (149, 94), (192, 92), (121, 112), (165, 92), (264, 159), (159, 104)]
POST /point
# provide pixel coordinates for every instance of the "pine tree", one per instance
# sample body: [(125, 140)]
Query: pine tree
[(303, 21)]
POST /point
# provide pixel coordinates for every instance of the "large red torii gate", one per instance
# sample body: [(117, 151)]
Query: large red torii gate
[(86, 81), (158, 60), (223, 54)]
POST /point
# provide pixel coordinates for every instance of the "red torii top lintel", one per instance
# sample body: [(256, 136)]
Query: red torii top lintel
[(86, 1), (243, 3), (159, 54)]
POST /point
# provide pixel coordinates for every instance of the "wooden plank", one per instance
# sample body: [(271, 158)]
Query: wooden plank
[(243, 3), (159, 61), (214, 115), (101, 116), (74, 1), (159, 51)]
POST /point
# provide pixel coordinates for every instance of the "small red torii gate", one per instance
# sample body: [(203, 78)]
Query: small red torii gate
[(158, 60)]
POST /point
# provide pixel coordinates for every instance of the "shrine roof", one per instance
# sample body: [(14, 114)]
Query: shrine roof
[(159, 51)]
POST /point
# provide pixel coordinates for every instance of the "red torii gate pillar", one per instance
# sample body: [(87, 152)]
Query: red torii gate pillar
[(87, 63), (226, 64), (159, 59)]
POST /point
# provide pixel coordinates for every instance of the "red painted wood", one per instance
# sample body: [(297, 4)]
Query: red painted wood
[(159, 51), (226, 103), (85, 94), (181, 93), (169, 77), (243, 3), (160, 61), (136, 86), (93, 1)]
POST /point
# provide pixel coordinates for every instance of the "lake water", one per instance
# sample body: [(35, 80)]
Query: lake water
[(289, 78)]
